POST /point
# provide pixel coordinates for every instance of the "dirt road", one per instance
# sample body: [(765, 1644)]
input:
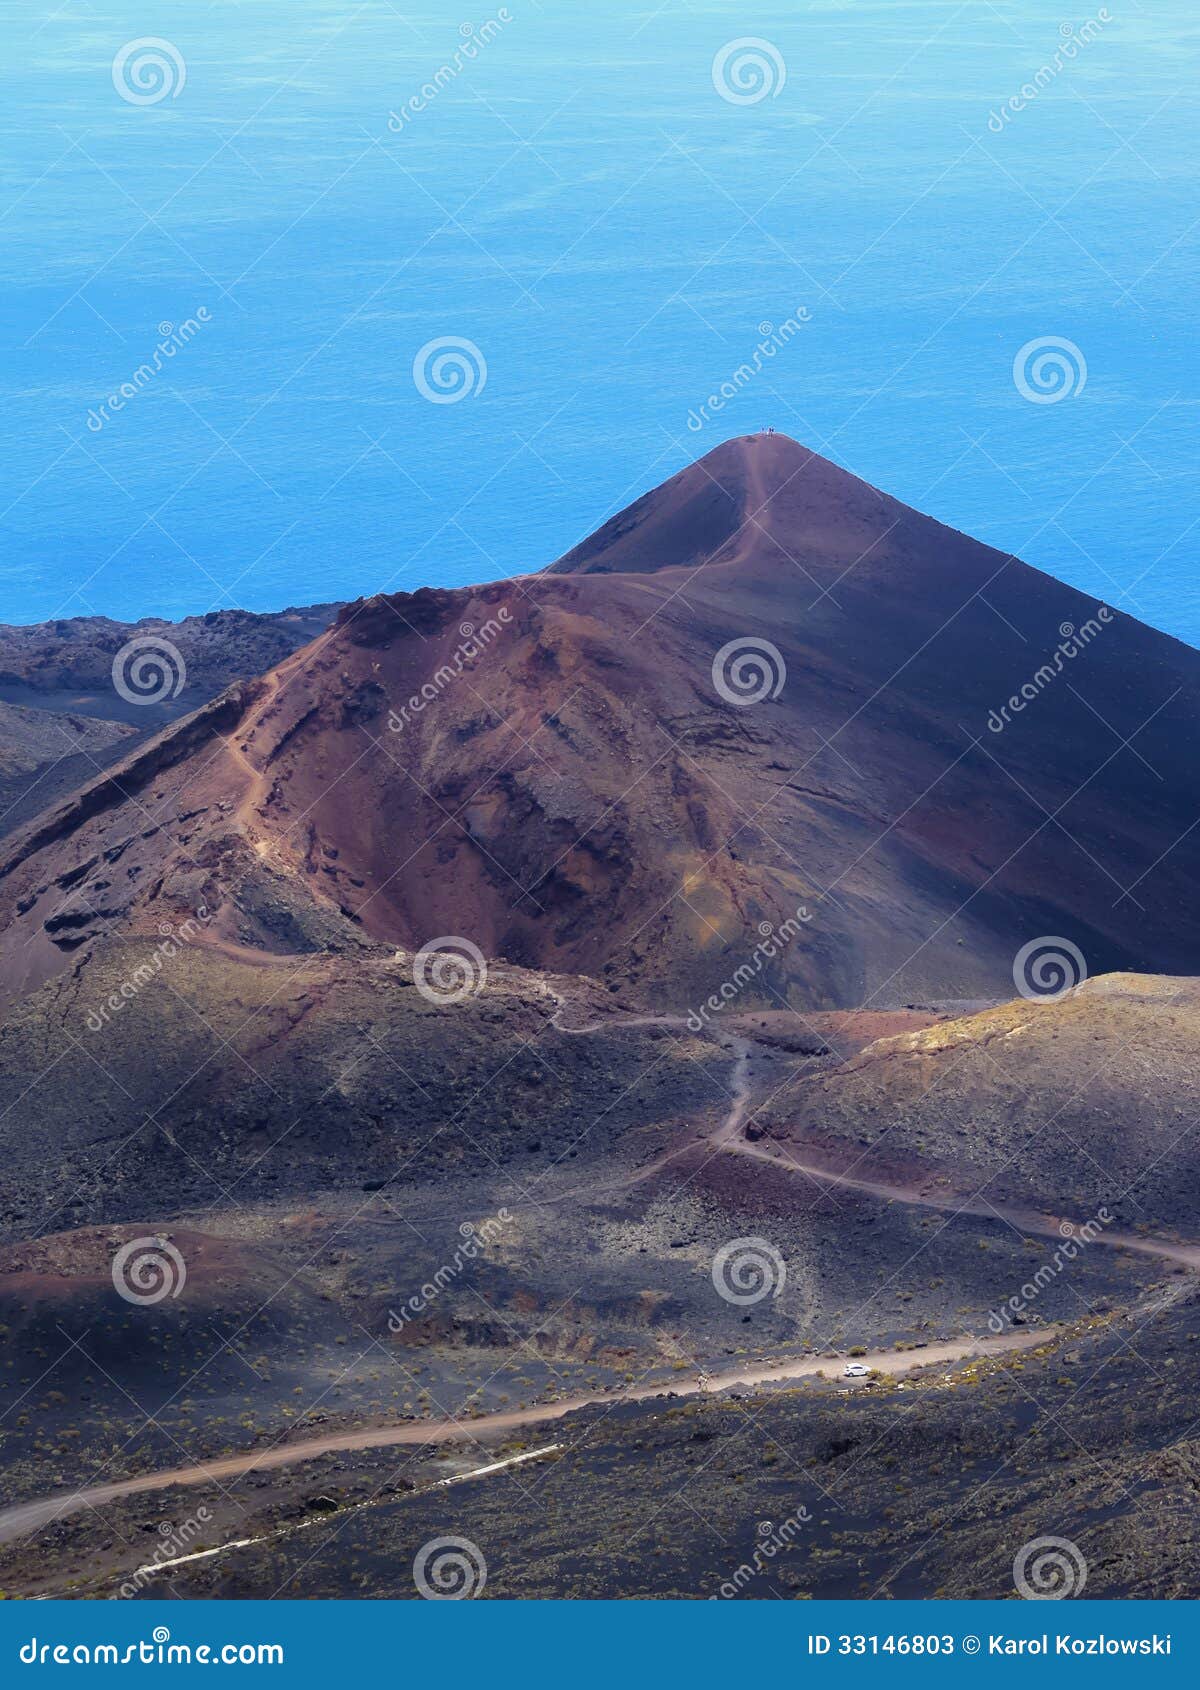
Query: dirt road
[(27, 1517), (728, 1137), (927, 1195)]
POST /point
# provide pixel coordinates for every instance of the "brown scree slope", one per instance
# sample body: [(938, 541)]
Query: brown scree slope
[(582, 798)]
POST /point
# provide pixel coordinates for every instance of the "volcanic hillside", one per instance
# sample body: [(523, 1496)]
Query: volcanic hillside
[(567, 770), (1088, 1100)]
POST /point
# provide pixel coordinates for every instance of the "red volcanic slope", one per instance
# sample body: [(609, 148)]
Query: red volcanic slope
[(582, 797)]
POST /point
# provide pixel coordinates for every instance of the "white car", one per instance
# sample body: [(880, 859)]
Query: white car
[(855, 1370)]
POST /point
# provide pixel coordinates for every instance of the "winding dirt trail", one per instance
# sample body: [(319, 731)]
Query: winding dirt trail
[(254, 799), (27, 1517), (724, 1134), (728, 1137), (258, 779), (1060, 1227)]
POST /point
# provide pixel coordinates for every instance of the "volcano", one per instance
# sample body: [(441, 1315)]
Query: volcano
[(741, 821), (768, 725)]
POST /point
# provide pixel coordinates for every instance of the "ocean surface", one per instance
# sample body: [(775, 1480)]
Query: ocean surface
[(615, 227)]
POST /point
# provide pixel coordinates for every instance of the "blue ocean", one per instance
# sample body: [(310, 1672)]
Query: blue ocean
[(389, 297)]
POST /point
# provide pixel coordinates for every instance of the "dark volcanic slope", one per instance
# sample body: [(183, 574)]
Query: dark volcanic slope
[(44, 753), (576, 793), (752, 499), (134, 1086)]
